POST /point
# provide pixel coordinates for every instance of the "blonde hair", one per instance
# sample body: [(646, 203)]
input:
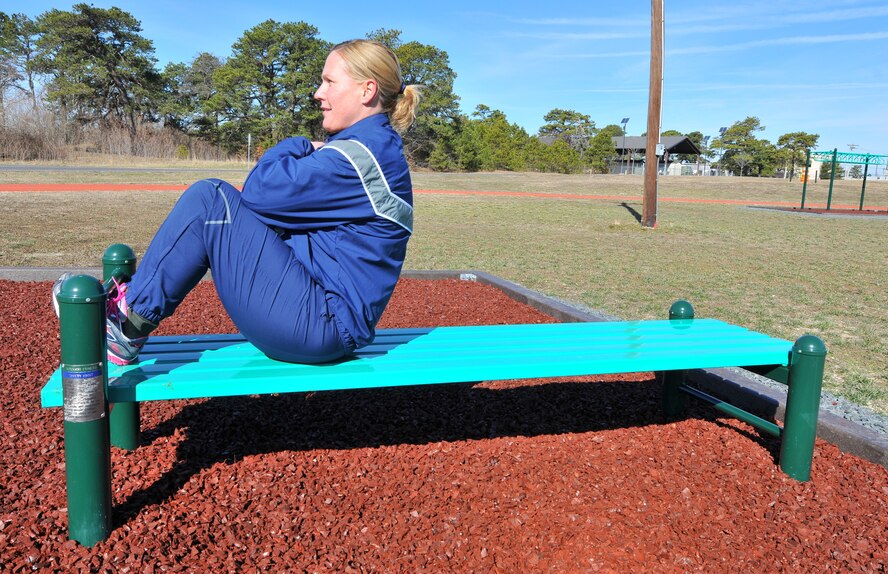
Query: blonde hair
[(372, 60)]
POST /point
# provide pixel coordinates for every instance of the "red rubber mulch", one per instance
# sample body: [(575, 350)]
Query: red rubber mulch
[(579, 475)]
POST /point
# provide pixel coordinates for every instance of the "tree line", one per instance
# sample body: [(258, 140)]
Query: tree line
[(68, 76)]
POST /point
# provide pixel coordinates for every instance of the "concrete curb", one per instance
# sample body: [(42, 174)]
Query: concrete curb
[(44, 273), (736, 386)]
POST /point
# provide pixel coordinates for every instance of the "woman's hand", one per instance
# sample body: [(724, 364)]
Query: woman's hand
[(316, 145)]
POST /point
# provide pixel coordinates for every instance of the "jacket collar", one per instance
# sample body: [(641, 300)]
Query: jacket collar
[(371, 122)]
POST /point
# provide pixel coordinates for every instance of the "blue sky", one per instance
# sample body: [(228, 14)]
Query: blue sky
[(818, 66)]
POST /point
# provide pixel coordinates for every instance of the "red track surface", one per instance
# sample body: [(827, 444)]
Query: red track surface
[(32, 187)]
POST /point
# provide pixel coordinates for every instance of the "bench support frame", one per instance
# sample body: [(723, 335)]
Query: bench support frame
[(119, 262), (87, 437), (91, 426), (802, 406)]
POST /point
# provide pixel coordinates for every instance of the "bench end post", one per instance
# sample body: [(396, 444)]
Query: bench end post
[(85, 408), (681, 309), (673, 399), (119, 261), (802, 407)]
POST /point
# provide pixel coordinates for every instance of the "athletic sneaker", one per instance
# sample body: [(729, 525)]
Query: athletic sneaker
[(121, 349)]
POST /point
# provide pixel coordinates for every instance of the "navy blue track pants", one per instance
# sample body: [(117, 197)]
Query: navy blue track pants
[(268, 293)]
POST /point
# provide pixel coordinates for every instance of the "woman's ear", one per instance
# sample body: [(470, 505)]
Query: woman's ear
[(371, 90)]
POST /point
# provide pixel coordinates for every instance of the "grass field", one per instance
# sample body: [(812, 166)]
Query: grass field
[(777, 272)]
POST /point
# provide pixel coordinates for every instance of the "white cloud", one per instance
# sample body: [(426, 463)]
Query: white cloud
[(795, 40), (777, 86), (578, 36), (568, 21)]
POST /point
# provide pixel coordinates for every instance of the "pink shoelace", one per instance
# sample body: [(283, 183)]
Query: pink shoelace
[(116, 304)]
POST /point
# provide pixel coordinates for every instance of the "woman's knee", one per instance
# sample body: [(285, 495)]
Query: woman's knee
[(206, 188), (210, 196)]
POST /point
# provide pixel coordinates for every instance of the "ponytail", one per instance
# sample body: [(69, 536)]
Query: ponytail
[(404, 111)]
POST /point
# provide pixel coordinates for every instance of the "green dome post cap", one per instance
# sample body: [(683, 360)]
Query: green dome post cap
[(82, 289), (119, 254), (681, 309), (809, 345)]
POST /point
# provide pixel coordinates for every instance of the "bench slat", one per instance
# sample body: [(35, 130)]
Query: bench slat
[(226, 365), (247, 356), (529, 336)]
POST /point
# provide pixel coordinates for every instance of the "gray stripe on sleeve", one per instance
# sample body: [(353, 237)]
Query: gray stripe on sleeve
[(385, 203)]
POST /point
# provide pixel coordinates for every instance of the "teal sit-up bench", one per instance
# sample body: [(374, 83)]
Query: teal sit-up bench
[(185, 367)]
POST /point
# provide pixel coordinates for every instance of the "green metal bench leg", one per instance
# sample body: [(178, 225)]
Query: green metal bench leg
[(84, 378), (802, 407), (673, 399), (119, 261), (125, 423)]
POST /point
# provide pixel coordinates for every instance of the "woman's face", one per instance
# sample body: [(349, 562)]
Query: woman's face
[(342, 98)]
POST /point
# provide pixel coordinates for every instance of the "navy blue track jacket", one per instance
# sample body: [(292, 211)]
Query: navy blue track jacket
[(346, 210)]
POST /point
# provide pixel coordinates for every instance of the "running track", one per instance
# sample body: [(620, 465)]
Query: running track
[(32, 187)]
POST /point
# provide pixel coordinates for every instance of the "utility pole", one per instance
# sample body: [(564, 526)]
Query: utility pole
[(655, 101)]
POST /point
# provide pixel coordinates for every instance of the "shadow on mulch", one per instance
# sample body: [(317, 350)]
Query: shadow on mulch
[(225, 430)]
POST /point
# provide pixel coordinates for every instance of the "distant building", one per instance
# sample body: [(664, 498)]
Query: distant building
[(631, 153)]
